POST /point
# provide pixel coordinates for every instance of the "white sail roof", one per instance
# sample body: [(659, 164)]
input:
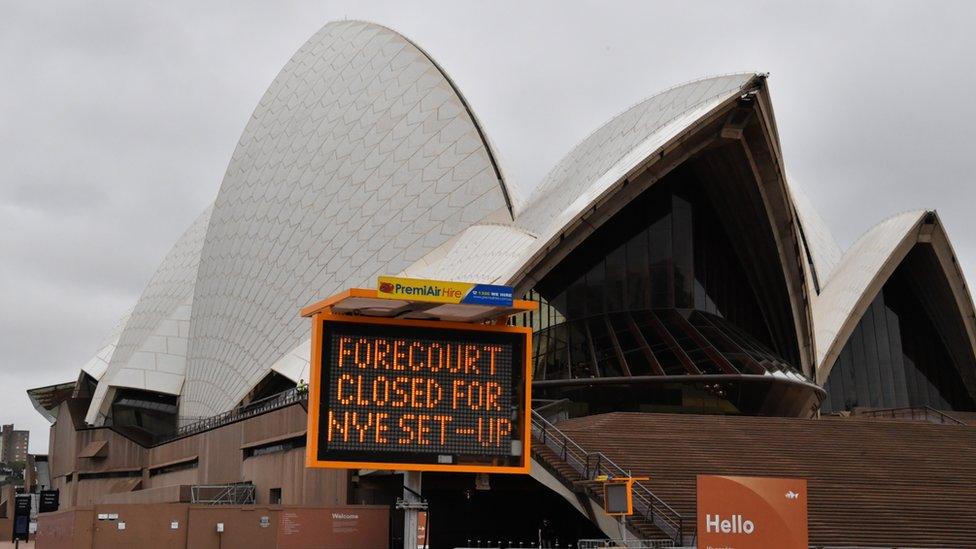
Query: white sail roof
[(359, 160), (150, 353), (856, 280), (362, 159)]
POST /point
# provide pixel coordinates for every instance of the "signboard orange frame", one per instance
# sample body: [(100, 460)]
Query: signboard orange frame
[(342, 382)]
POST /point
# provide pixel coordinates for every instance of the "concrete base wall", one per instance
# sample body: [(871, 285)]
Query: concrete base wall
[(164, 494), (218, 456), (65, 530), (183, 526)]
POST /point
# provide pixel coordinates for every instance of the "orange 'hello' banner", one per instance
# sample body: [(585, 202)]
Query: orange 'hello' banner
[(752, 513)]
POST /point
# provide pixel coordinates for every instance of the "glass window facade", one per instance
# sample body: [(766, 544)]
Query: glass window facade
[(667, 249), (655, 311), (272, 384), (151, 414), (896, 357), (650, 342)]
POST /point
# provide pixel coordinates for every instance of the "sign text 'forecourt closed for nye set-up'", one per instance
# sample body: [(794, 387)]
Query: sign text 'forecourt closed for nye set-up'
[(419, 395)]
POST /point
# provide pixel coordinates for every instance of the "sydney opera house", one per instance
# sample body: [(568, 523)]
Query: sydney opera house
[(694, 315)]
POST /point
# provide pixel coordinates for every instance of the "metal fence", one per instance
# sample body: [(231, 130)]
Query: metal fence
[(625, 543), (258, 407), (913, 413), (223, 494), (590, 465)]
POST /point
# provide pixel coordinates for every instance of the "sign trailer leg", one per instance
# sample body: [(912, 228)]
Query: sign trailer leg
[(411, 504)]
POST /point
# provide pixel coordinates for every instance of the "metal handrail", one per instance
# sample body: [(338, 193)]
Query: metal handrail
[(910, 411), (608, 543), (223, 494), (267, 404), (591, 465)]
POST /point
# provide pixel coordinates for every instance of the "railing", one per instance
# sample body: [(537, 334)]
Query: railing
[(590, 465), (223, 494), (513, 544), (914, 413), (273, 402), (552, 410), (626, 543)]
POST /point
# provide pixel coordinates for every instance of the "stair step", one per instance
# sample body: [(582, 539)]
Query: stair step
[(870, 482)]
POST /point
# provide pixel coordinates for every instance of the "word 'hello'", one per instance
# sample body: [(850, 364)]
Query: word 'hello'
[(734, 525)]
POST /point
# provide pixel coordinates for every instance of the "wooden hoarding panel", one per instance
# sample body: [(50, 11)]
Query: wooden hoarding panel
[(350, 527)]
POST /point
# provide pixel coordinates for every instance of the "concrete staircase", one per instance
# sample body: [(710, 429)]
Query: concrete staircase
[(871, 482), (579, 469)]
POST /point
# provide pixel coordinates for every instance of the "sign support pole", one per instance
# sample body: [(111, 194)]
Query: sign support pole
[(411, 513)]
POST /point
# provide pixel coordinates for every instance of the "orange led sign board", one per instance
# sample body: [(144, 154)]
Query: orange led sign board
[(418, 395), (752, 512)]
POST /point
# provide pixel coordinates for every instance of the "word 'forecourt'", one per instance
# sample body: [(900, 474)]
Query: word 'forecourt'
[(406, 394)]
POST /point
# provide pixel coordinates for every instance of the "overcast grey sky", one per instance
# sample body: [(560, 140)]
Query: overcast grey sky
[(118, 119)]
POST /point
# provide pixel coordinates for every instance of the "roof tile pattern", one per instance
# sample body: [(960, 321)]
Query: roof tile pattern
[(618, 146), (151, 350), (359, 160), (363, 159), (861, 268), (98, 364), (484, 253), (824, 251)]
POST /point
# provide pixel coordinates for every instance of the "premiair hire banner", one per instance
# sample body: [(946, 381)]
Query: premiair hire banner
[(440, 291)]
